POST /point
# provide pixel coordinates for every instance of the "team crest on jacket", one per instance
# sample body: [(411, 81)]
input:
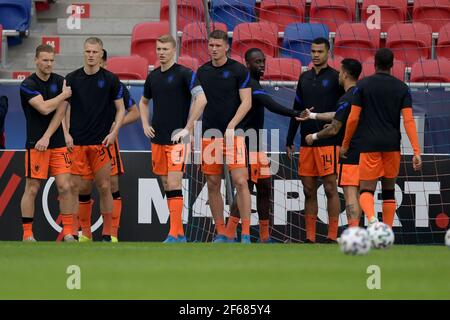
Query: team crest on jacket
[(53, 88), (325, 82), (226, 74), (101, 83)]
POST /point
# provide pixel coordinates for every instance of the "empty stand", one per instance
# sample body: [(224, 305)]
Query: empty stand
[(282, 12), (15, 15), (129, 67), (392, 12), (262, 35), (233, 12), (188, 62), (143, 39), (332, 12), (431, 71), (354, 40), (443, 43), (398, 70), (282, 69), (435, 13), (187, 12)]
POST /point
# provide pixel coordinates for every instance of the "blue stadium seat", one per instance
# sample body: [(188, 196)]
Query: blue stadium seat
[(233, 12), (298, 37), (15, 15)]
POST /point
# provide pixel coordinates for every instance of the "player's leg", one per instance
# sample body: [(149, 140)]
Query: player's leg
[(391, 162), (85, 204), (117, 207), (263, 204), (370, 170), (333, 205), (239, 177), (27, 205), (351, 195), (213, 183), (66, 203), (174, 195), (103, 183), (311, 208)]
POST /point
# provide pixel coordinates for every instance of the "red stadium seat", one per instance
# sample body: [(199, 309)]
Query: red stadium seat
[(443, 43), (282, 69), (143, 39), (188, 62), (354, 40), (262, 35), (392, 12), (194, 42), (409, 41), (398, 70), (431, 71), (129, 67), (335, 63), (187, 12), (238, 58), (435, 13), (282, 12), (332, 12)]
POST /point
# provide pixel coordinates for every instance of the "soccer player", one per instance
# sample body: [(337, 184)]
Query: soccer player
[(348, 174), (172, 87), (378, 103), (318, 88), (259, 168), (96, 95), (43, 96), (117, 169), (227, 87)]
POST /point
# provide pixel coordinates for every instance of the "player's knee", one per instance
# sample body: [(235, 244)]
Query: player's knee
[(64, 188), (104, 186), (214, 185), (173, 185), (309, 192), (241, 183), (32, 189), (330, 189)]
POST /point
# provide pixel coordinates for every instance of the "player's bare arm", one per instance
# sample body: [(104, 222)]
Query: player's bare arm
[(327, 132), (120, 114), (143, 108), (46, 107)]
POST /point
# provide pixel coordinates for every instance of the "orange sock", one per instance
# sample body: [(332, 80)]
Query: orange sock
[(353, 222), (176, 211), (27, 230), (245, 227), (107, 223), (67, 223), (367, 205), (220, 226), (333, 224), (389, 207), (311, 227), (232, 224), (84, 216), (75, 224), (264, 230), (117, 210)]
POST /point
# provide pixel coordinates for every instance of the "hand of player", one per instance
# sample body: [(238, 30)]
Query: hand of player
[(304, 115), (69, 142), (343, 152), (149, 131), (66, 90), (180, 136), (109, 140), (289, 151), (417, 163), (42, 144), (112, 127), (309, 139), (229, 133), (327, 125)]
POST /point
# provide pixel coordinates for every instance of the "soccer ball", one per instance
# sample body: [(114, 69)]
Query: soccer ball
[(355, 241), (447, 238), (381, 235)]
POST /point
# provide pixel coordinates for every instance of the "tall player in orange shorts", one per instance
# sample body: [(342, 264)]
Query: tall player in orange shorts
[(378, 103), (172, 87), (96, 96), (317, 88), (43, 96), (348, 173), (117, 169)]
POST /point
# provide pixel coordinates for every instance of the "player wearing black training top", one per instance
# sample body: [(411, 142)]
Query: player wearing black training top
[(259, 167), (171, 87), (317, 88), (348, 173), (43, 96), (96, 95), (226, 85)]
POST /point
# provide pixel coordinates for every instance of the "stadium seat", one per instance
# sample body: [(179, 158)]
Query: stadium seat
[(194, 42), (332, 12), (435, 13), (297, 40), (398, 70), (282, 12), (42, 5), (15, 15), (443, 43), (262, 35), (392, 12), (143, 38), (233, 12), (354, 40), (238, 58), (431, 71), (188, 62), (409, 41), (187, 12), (129, 67), (334, 62), (282, 69)]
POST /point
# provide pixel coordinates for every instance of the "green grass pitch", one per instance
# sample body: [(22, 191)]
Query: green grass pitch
[(219, 271)]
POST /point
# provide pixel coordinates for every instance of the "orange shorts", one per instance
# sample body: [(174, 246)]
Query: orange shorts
[(116, 160), (88, 160), (259, 166), (215, 154), (348, 175), (373, 165), (167, 158), (317, 161), (38, 163)]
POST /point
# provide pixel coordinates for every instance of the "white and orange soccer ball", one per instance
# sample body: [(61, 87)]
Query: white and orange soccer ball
[(355, 241), (381, 235), (447, 238)]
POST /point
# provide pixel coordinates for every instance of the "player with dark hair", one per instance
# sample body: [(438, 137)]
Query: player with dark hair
[(43, 96), (378, 103), (348, 173), (172, 87), (96, 96), (317, 88), (259, 167)]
